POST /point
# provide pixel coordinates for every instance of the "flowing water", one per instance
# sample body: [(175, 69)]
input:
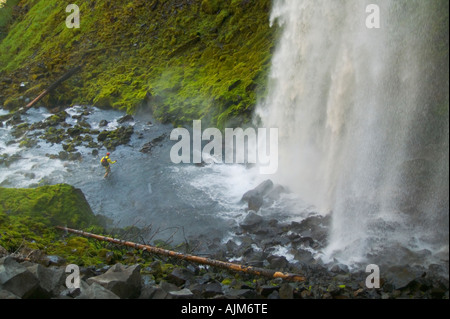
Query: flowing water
[(178, 201), (363, 135), (363, 123)]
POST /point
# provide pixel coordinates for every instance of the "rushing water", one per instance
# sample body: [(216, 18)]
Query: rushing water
[(178, 201), (363, 123)]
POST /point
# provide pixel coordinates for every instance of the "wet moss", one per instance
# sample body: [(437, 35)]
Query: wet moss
[(177, 58), (60, 204)]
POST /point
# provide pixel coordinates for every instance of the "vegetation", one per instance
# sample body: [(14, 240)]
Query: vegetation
[(183, 59), (28, 217), (27, 224)]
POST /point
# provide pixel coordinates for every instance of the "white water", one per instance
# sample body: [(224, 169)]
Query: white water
[(356, 112), (143, 189)]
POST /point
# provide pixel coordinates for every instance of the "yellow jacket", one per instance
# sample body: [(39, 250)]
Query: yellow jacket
[(107, 159)]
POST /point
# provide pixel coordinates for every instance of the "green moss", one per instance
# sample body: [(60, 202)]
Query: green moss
[(60, 204), (179, 61), (28, 217)]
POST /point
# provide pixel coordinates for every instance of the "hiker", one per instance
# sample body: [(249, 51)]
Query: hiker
[(105, 163)]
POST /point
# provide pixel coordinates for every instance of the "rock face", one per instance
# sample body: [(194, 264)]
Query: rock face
[(255, 197), (123, 281), (16, 278), (26, 280)]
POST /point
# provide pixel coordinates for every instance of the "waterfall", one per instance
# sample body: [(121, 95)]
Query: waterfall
[(363, 124)]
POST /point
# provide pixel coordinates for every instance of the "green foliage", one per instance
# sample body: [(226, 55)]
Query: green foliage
[(28, 217), (60, 204), (6, 12), (207, 59)]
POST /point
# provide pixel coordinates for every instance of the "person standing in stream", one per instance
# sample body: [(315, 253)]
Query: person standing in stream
[(105, 161)]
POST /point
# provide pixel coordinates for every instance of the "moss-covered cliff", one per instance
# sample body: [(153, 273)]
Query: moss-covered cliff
[(184, 59), (28, 217)]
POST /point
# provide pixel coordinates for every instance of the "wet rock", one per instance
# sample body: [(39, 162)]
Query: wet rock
[(69, 147), (212, 289), (14, 119), (63, 155), (74, 131), (275, 193), (148, 292), (277, 262), (251, 221), (126, 118), (303, 256), (401, 276), (51, 280), (147, 147), (260, 190), (267, 290), (16, 278), (255, 202), (20, 130), (74, 156), (97, 291), (241, 293), (179, 276), (123, 281), (112, 139), (184, 293), (255, 197), (103, 123), (102, 136), (3, 252), (232, 247), (315, 227), (56, 119), (286, 291), (5, 295), (339, 268)]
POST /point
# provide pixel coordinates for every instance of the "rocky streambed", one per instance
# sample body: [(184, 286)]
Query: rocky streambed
[(260, 243)]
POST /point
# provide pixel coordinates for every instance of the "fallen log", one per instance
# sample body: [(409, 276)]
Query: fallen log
[(52, 86), (196, 259)]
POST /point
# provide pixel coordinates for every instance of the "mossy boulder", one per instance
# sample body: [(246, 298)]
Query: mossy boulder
[(59, 204), (119, 136)]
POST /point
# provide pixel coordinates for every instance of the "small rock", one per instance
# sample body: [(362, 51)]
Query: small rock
[(339, 268), (179, 276), (168, 287), (267, 290), (286, 291), (277, 262), (53, 260), (123, 281), (3, 251), (251, 221), (182, 294), (126, 118), (16, 278), (212, 289), (241, 293), (97, 291), (51, 280)]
